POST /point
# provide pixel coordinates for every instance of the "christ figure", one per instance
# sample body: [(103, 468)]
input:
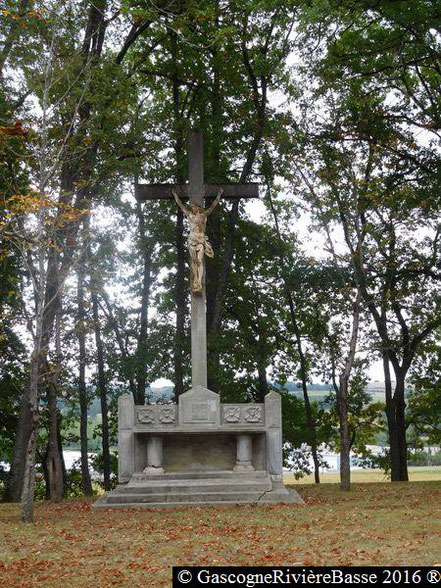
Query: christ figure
[(198, 243)]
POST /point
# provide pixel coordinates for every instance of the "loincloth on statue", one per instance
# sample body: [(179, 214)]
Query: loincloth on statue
[(199, 243)]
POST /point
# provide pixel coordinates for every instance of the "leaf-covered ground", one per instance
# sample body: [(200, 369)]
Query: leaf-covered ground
[(71, 545)]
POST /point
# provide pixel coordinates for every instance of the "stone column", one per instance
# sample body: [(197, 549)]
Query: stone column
[(244, 455), (154, 455), (273, 420), (126, 438)]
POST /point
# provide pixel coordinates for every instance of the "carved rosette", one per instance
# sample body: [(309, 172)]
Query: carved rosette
[(253, 414), (167, 415), (232, 414), (245, 414), (147, 416), (157, 415)]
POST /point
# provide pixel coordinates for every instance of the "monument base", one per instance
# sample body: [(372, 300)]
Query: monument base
[(198, 488), (199, 452)]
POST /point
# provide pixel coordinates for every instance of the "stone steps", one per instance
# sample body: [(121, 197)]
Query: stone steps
[(155, 497), (198, 475), (195, 488), (98, 505)]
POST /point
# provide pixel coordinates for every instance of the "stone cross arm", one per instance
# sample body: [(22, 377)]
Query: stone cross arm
[(163, 191)]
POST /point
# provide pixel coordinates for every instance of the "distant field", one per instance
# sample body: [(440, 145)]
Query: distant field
[(416, 474), (317, 395)]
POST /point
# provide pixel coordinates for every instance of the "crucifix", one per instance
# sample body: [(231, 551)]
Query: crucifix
[(196, 191)]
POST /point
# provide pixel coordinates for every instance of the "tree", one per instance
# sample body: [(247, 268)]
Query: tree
[(380, 212), (424, 397), (65, 158), (378, 65)]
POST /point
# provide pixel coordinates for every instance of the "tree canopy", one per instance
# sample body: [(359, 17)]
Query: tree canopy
[(332, 107)]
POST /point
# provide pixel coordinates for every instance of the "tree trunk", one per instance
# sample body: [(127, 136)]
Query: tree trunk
[(82, 391), (180, 293), (343, 409), (310, 421), (400, 420), (47, 295), (60, 453), (304, 377), (27, 495), (390, 416), (263, 381), (345, 441), (43, 460), (102, 391), (14, 485), (141, 372), (53, 459)]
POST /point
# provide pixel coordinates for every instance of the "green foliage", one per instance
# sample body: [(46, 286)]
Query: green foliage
[(424, 399), (297, 436), (424, 458), (97, 464), (358, 138), (12, 383), (74, 486)]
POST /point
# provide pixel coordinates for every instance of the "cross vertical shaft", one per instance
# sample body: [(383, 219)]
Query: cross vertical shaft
[(196, 190), (198, 303)]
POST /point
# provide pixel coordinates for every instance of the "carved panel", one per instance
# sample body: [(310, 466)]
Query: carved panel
[(243, 414), (147, 416), (253, 414), (167, 415), (199, 412), (231, 414)]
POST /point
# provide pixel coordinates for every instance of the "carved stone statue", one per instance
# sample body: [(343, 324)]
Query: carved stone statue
[(198, 243)]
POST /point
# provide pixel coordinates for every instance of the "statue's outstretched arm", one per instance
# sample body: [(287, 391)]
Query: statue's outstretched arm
[(210, 209), (181, 205)]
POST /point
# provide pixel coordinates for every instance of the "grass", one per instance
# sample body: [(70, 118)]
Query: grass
[(71, 545), (416, 474)]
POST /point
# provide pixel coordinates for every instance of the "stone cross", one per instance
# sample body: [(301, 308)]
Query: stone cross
[(196, 191)]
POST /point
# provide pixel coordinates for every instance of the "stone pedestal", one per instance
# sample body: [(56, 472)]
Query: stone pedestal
[(154, 455), (244, 454), (199, 452)]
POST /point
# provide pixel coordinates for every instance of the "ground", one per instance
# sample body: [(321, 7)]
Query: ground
[(416, 474), (71, 545)]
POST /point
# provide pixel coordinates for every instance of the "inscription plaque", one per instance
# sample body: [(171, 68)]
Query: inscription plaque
[(199, 412), (199, 406)]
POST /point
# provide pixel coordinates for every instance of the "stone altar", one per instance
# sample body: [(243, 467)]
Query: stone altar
[(199, 452)]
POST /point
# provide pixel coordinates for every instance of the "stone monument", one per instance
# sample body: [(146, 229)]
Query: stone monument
[(199, 451)]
